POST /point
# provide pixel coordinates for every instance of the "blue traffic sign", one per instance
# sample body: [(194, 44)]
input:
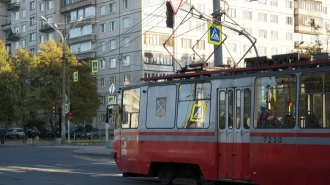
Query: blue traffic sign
[(214, 34)]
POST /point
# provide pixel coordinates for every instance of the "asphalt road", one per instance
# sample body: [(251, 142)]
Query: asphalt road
[(55, 165)]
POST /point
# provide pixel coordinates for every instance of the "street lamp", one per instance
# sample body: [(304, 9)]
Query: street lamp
[(63, 70)]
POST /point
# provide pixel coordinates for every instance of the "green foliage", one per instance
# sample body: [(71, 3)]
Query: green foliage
[(31, 85)]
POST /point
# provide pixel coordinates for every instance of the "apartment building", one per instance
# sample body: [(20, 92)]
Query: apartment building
[(127, 36)]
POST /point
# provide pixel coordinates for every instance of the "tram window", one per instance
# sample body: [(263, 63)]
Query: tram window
[(275, 102), (312, 83), (238, 109), (247, 108), (131, 108), (222, 110), (194, 105), (230, 108), (314, 101)]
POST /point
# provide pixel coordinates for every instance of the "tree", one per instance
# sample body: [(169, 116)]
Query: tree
[(24, 66), (8, 98), (83, 94)]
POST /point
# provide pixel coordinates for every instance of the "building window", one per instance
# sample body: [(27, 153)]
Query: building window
[(262, 50), (23, 28), (50, 36), (262, 33), (232, 12), (23, 43), (17, 29), (186, 25), (102, 10), (24, 13), (16, 45), (127, 80), (185, 43), (262, 1), (102, 82), (200, 7), (248, 30), (200, 26), (33, 50), (125, 4), (262, 17), (274, 35), (42, 7), (274, 51), (112, 63), (273, 18), (32, 5), (16, 15), (201, 45), (49, 5), (289, 36), (246, 47), (103, 46), (113, 80), (126, 22), (41, 38), (247, 15), (324, 10), (102, 64), (112, 7), (289, 4), (273, 2), (103, 28), (126, 61), (232, 47), (126, 41), (113, 44), (32, 37), (289, 20), (32, 21), (112, 26)]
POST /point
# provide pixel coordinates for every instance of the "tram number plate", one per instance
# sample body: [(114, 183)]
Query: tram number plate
[(272, 139)]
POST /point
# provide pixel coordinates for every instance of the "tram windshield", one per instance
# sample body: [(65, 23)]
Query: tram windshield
[(275, 101)]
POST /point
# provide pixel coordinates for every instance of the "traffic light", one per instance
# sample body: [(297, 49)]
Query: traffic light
[(54, 110), (169, 15), (70, 115), (109, 113)]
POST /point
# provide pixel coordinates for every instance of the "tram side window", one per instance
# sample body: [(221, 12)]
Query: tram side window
[(247, 108), (222, 110), (131, 108), (314, 101), (194, 105), (275, 102)]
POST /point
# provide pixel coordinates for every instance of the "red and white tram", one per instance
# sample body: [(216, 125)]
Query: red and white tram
[(265, 125)]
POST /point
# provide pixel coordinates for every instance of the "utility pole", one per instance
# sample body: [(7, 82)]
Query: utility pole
[(218, 56)]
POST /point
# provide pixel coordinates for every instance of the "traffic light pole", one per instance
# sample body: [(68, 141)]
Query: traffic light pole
[(69, 107)]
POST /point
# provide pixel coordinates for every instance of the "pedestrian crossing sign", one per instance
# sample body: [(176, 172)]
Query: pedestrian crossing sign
[(214, 34), (197, 112)]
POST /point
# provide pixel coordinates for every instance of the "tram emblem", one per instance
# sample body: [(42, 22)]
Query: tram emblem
[(197, 112)]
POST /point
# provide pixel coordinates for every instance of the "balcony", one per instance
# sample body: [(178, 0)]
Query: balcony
[(300, 11), (13, 37), (6, 27), (13, 7), (306, 30), (85, 21), (91, 37), (46, 28), (86, 55), (76, 5)]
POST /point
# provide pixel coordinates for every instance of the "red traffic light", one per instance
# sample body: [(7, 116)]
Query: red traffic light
[(70, 115)]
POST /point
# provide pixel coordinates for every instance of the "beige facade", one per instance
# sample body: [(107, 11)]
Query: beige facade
[(127, 36)]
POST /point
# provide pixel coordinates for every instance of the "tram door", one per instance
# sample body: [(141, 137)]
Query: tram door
[(231, 134)]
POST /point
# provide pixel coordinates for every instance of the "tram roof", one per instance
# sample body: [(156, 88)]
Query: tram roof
[(207, 72)]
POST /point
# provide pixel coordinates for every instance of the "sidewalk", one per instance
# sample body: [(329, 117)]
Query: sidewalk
[(83, 148)]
